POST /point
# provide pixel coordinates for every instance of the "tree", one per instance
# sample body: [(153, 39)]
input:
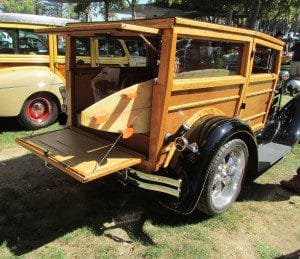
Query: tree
[(132, 4), (21, 6), (83, 8), (53, 8), (264, 15)]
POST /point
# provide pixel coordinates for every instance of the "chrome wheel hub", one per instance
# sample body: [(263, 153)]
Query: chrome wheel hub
[(228, 178)]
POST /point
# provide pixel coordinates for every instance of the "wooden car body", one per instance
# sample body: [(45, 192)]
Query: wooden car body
[(136, 111)]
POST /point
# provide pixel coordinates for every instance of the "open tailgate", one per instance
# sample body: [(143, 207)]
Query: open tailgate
[(78, 153)]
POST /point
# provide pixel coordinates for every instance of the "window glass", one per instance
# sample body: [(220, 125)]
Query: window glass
[(83, 52), (83, 47), (14, 41), (61, 46), (110, 48), (8, 39), (136, 48), (264, 60), (201, 58), (32, 43)]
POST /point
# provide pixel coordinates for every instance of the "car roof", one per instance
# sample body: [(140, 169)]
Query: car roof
[(154, 26), (34, 19)]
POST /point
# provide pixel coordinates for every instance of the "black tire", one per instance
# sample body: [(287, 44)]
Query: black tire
[(206, 204), (29, 120)]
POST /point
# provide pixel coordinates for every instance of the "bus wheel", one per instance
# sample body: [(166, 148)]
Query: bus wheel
[(225, 176), (38, 111)]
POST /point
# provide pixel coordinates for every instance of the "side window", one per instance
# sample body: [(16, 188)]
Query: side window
[(83, 47), (8, 41), (110, 48), (83, 52), (202, 58), (61, 46), (264, 60), (136, 48), (32, 43)]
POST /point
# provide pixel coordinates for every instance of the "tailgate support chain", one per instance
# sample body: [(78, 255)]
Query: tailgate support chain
[(153, 182)]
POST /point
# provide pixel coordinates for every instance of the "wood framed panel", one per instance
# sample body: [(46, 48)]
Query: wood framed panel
[(257, 98), (211, 34), (176, 118), (161, 95)]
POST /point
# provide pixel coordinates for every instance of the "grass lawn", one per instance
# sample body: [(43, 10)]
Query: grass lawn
[(10, 130), (46, 214)]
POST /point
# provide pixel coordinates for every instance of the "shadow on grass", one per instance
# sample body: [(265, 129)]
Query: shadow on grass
[(38, 206), (9, 125), (264, 192)]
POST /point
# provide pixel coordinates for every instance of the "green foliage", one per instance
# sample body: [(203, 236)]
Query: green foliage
[(246, 12), (20, 6)]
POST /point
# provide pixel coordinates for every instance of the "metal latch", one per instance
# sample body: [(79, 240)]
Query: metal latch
[(243, 106)]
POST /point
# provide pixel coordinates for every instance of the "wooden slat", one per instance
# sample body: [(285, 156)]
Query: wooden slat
[(246, 68), (224, 28), (268, 44), (208, 82), (211, 34), (98, 27), (259, 92), (201, 103), (162, 93), (254, 116), (262, 77)]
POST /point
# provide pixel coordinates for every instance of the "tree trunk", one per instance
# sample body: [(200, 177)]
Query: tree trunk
[(229, 14), (133, 14), (255, 8), (106, 6)]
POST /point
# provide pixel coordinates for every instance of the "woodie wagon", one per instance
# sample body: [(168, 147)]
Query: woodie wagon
[(201, 115)]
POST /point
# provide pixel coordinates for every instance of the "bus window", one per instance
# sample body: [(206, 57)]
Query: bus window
[(61, 46), (32, 43), (7, 41)]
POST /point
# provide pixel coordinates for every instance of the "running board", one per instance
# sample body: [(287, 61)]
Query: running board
[(270, 153)]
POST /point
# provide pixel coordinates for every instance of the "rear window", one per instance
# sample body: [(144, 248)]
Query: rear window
[(110, 47)]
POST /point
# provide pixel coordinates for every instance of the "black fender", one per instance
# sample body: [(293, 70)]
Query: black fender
[(210, 134), (289, 123)]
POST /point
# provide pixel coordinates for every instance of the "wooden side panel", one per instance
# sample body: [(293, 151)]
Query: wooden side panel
[(257, 98), (184, 104), (177, 118), (161, 95)]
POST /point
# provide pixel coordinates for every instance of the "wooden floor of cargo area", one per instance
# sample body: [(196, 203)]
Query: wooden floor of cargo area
[(79, 153)]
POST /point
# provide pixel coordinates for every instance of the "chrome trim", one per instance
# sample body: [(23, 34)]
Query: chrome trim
[(36, 85)]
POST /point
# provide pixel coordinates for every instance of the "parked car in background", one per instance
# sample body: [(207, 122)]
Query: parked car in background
[(32, 66), (32, 73)]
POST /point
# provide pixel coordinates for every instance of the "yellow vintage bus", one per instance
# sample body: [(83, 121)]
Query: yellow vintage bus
[(32, 73), (32, 66)]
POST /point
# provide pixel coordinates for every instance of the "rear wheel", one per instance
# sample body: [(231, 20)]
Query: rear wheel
[(38, 111), (225, 175)]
